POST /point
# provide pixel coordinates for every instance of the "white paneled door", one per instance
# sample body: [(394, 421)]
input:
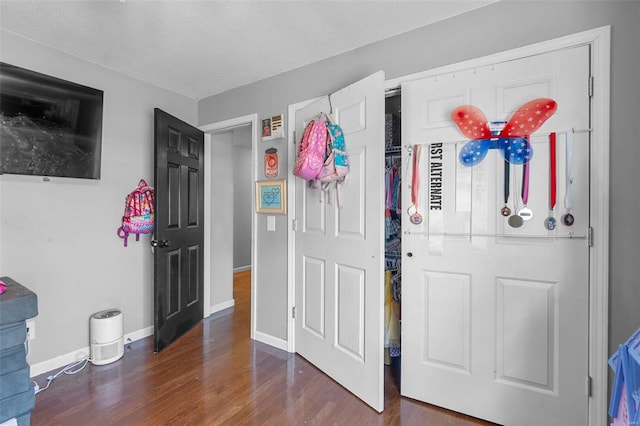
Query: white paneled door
[(495, 315), (338, 250)]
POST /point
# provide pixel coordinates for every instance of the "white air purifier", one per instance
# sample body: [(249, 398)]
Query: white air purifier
[(106, 336)]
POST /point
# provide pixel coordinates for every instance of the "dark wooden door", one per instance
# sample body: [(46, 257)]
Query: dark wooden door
[(179, 228)]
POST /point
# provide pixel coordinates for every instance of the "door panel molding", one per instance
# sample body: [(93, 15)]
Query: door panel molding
[(313, 289), (518, 301), (313, 220), (445, 294), (350, 318), (350, 219)]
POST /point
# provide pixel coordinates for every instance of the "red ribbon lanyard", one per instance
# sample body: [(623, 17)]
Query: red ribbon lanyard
[(552, 170), (415, 178)]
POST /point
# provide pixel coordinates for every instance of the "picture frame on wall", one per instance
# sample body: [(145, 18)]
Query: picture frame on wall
[(271, 196), (273, 127)]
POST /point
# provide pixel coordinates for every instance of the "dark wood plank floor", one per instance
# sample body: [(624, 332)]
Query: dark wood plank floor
[(216, 374)]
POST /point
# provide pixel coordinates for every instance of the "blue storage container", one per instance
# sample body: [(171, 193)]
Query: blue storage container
[(624, 407), (17, 397)]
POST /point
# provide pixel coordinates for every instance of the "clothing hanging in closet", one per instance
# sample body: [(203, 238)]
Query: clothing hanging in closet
[(393, 247), (391, 316), (392, 213)]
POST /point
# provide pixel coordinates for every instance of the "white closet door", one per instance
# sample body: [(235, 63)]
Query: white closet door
[(495, 318), (339, 251)]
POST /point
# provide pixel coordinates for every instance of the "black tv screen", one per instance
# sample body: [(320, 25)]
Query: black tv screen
[(48, 126)]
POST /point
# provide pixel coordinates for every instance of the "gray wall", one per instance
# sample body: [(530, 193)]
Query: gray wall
[(222, 219), (242, 193), (495, 28), (58, 238), (230, 211)]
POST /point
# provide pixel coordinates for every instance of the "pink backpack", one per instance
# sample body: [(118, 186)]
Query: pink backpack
[(311, 152), (138, 212)]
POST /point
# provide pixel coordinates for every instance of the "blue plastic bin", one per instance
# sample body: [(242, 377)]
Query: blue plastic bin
[(624, 407)]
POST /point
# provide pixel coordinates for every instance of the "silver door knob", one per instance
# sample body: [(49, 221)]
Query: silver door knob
[(160, 243)]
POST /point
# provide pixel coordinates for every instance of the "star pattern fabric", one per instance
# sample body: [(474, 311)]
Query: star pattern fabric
[(512, 141)]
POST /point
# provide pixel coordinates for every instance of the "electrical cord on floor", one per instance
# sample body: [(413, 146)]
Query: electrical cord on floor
[(69, 369)]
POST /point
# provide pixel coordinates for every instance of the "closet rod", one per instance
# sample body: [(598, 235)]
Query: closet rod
[(560, 132), (391, 92), (472, 234)]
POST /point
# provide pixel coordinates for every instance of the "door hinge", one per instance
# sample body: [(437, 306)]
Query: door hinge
[(589, 386), (294, 225), (294, 137), (590, 236), (590, 86), (293, 312)]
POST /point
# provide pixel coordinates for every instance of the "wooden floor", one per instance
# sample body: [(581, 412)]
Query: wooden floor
[(216, 374)]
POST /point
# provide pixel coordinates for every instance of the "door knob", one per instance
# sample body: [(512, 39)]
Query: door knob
[(160, 243)]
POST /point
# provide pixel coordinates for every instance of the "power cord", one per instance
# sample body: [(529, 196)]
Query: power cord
[(69, 369)]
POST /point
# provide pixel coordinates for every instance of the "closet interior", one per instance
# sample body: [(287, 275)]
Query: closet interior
[(392, 220)]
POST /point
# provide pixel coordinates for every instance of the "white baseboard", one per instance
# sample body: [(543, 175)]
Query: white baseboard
[(73, 356), (271, 341), (221, 306), (59, 361), (242, 268), (137, 335)]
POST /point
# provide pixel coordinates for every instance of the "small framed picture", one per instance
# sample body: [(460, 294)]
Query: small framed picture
[(272, 127), (271, 196), (266, 128)]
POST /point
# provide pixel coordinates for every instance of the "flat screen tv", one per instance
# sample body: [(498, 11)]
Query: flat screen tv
[(48, 126)]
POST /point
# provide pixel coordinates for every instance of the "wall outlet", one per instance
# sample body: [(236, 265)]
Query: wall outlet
[(31, 329)]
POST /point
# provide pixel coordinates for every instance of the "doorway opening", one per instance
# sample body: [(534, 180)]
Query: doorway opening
[(241, 160), (229, 217)]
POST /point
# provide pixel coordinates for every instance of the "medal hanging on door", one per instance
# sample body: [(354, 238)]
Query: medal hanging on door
[(515, 220), (506, 211), (550, 222), (414, 214), (525, 212), (567, 218)]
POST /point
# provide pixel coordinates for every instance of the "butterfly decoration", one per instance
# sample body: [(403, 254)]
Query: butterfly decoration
[(512, 140)]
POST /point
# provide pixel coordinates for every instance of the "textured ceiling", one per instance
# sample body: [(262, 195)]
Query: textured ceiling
[(201, 48)]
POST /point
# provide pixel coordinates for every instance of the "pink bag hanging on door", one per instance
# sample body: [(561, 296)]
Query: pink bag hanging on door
[(138, 212), (312, 148)]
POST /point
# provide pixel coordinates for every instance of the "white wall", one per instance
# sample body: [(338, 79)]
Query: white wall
[(58, 238)]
